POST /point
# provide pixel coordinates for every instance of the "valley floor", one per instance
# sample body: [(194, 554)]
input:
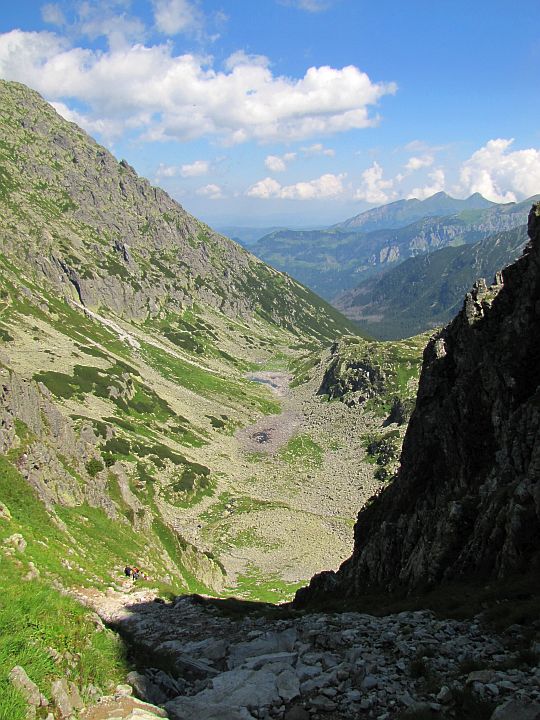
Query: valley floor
[(306, 473)]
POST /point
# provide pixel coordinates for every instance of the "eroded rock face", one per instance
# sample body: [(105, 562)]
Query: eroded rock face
[(466, 503), (32, 427)]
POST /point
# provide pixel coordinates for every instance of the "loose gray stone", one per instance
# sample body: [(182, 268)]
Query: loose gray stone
[(444, 695), (186, 708), (20, 680), (124, 690), (369, 682), (287, 685), (516, 710), (63, 698)]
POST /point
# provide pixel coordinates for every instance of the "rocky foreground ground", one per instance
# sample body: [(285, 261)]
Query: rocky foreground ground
[(203, 659)]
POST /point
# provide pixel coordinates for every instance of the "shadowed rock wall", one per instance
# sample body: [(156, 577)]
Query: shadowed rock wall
[(466, 502)]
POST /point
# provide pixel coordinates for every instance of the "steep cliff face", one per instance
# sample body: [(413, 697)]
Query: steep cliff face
[(466, 502)]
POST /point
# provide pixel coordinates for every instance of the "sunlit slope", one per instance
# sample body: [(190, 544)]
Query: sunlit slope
[(75, 216), (128, 330)]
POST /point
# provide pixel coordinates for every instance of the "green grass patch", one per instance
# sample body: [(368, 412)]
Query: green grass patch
[(34, 617), (190, 486), (5, 336), (208, 384), (254, 585), (176, 546), (302, 450)]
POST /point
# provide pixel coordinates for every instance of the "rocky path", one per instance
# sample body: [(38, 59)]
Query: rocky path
[(199, 659)]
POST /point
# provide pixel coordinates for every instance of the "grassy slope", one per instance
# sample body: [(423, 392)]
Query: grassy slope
[(182, 395), (36, 617)]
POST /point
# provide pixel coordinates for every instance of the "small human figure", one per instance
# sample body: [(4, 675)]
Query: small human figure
[(127, 571)]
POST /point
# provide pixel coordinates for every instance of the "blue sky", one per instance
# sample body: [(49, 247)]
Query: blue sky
[(295, 112)]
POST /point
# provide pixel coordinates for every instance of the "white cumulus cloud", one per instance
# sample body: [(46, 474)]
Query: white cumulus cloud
[(374, 188), (214, 192), (199, 167), (182, 97), (264, 189), (435, 185), (108, 129), (326, 186), (52, 14), (278, 163), (176, 16), (501, 174), (194, 169), (418, 162), (167, 171), (317, 149)]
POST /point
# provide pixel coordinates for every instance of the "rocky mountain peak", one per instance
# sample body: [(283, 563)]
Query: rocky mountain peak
[(466, 502)]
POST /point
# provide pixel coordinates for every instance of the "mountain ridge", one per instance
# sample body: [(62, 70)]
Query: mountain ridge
[(149, 344), (95, 261), (333, 261), (404, 212)]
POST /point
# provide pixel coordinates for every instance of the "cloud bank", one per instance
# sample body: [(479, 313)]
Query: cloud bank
[(183, 97), (326, 186), (501, 174)]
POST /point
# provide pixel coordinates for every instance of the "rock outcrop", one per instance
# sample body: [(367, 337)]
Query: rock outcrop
[(36, 435), (466, 502)]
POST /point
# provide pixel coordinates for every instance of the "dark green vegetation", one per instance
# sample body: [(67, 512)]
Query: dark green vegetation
[(334, 260), (427, 291), (383, 449)]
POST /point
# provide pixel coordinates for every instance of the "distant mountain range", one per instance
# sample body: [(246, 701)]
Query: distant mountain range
[(427, 291), (403, 212), (339, 258)]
